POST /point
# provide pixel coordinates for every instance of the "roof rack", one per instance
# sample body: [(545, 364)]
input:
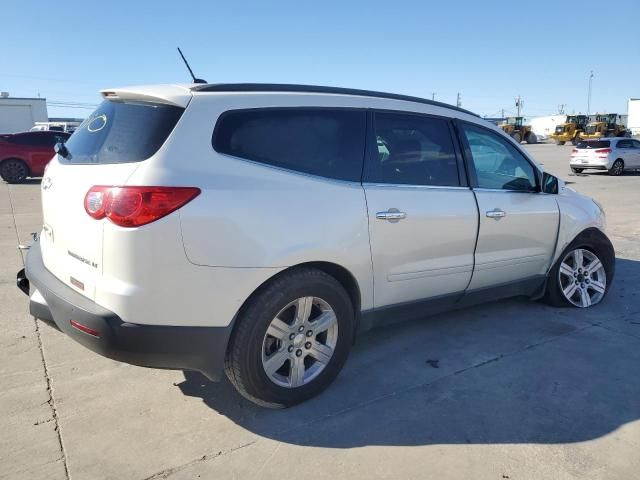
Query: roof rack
[(283, 87)]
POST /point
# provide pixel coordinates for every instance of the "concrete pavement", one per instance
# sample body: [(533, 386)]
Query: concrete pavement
[(511, 389)]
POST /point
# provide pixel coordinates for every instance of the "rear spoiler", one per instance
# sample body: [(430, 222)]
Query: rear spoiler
[(176, 95)]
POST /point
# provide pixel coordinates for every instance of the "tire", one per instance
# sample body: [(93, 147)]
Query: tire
[(593, 243), (617, 169), (516, 137), (532, 138), (14, 170), (577, 170), (252, 349), (576, 140), (559, 142)]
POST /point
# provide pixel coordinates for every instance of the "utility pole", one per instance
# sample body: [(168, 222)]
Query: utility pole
[(589, 95), (561, 108), (503, 113), (519, 103), (458, 101), (433, 95)]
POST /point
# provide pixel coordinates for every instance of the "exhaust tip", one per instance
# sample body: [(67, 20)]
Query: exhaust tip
[(22, 282)]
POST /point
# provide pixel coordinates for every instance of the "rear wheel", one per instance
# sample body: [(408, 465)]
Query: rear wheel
[(576, 140), (516, 137), (617, 168), (14, 170), (577, 170), (291, 339), (532, 138)]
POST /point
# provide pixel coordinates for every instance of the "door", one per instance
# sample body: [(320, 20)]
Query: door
[(423, 219), (518, 224), (635, 144)]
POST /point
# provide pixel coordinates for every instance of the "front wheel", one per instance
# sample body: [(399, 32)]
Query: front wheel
[(576, 140), (532, 138), (583, 274), (291, 339), (617, 168), (577, 170), (559, 142), (516, 137)]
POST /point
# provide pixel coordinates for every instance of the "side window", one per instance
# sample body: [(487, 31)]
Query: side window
[(624, 144), (498, 164), (324, 142), (413, 150), (636, 143)]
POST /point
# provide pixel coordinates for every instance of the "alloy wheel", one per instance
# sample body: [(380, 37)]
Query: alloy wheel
[(14, 171), (582, 278), (300, 342)]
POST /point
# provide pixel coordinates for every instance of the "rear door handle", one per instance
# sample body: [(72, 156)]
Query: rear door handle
[(496, 214), (392, 215)]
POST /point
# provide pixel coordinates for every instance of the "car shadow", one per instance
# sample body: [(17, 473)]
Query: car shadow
[(514, 371)]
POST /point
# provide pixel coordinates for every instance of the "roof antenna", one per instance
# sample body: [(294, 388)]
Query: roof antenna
[(195, 80)]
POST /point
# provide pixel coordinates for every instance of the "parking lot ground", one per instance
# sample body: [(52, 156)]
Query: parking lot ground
[(511, 389)]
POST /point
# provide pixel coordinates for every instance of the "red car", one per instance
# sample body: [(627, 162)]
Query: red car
[(26, 154)]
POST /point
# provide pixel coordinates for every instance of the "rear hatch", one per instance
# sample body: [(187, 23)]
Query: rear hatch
[(106, 149), (592, 151)]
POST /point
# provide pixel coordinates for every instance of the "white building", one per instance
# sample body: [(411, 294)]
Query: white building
[(633, 116), (20, 114)]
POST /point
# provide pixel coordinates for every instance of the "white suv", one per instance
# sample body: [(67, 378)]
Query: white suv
[(257, 228)]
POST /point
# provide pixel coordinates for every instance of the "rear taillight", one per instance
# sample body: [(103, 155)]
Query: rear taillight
[(136, 206), (603, 152), (574, 152)]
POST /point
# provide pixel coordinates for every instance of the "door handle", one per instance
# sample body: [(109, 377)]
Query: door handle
[(496, 214), (392, 215)]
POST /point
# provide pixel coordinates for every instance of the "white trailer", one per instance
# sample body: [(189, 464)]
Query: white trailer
[(633, 116), (20, 114), (543, 127)]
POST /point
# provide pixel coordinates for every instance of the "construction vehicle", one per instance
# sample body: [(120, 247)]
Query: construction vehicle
[(515, 128), (571, 130), (605, 125)]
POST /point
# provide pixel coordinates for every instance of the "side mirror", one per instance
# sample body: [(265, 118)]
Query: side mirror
[(61, 150), (549, 183)]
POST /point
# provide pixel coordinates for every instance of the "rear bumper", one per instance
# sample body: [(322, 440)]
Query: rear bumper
[(170, 347), (590, 163)]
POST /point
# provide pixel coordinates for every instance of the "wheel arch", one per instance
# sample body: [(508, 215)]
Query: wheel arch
[(339, 272), (595, 237), (26, 164)]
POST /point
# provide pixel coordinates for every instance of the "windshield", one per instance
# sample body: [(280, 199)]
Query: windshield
[(594, 144), (591, 129), (120, 132), (560, 129)]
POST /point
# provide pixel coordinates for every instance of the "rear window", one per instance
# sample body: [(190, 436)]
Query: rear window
[(594, 144), (324, 142), (122, 132)]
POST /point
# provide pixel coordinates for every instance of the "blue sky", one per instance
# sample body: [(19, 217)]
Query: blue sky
[(489, 51)]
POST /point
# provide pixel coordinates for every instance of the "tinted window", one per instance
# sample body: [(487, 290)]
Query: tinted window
[(27, 139), (322, 142), (624, 144), (413, 150), (498, 164), (636, 143), (122, 132), (594, 144)]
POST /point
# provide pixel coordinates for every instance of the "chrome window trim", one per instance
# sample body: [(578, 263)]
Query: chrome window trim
[(413, 186)]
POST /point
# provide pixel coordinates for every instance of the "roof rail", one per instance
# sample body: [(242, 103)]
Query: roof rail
[(283, 87)]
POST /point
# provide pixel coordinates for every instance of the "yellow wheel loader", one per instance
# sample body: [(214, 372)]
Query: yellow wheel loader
[(515, 128), (571, 130)]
